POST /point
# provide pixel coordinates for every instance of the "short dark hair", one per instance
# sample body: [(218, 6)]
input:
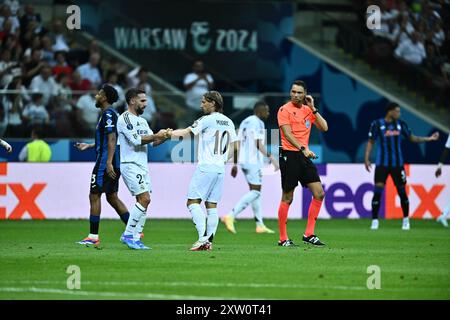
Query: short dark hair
[(259, 104), (391, 106), (300, 83), (38, 131), (132, 93), (216, 97), (110, 93)]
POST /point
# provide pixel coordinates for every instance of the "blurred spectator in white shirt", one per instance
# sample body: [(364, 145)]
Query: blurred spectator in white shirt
[(44, 83), (90, 69), (411, 50), (59, 40), (35, 112), (87, 113), (112, 80), (197, 83)]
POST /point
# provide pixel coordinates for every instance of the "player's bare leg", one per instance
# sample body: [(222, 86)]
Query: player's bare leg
[(119, 206)]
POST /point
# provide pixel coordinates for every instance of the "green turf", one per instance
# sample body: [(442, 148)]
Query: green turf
[(414, 264)]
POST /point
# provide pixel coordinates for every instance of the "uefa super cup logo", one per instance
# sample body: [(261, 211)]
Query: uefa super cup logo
[(200, 40)]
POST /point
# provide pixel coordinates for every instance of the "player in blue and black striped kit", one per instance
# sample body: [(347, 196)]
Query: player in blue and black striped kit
[(389, 131), (106, 173)]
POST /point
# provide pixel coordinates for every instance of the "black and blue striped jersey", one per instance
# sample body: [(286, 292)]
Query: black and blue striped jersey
[(389, 136), (106, 125)]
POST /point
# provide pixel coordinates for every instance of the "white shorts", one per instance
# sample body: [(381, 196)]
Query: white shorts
[(253, 174), (136, 178), (207, 186)]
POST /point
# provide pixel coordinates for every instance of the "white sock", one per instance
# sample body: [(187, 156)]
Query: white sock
[(405, 220), (199, 219), (212, 223), (256, 207), (446, 211), (141, 224), (93, 236), (248, 198), (136, 214)]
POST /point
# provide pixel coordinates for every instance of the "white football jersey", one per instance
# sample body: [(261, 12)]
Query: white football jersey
[(215, 132), (130, 128), (251, 130)]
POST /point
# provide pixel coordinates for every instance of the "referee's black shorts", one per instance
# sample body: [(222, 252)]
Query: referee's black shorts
[(295, 167)]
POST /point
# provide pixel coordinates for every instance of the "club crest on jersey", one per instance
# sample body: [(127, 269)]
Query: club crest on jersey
[(109, 123), (129, 126), (307, 124)]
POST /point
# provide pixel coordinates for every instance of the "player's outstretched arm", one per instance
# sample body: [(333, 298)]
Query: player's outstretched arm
[(416, 139), (165, 133), (84, 146), (6, 145), (155, 138), (180, 132)]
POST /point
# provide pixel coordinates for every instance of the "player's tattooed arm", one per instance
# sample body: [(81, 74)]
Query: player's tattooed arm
[(416, 139)]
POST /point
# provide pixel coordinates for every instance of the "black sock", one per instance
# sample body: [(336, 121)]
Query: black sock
[(404, 201), (95, 222), (376, 202), (124, 217)]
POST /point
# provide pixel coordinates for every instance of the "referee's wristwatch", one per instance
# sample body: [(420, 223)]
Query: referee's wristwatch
[(302, 148), (315, 111)]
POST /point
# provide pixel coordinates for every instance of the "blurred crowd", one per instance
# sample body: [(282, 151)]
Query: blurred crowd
[(412, 43), (51, 80)]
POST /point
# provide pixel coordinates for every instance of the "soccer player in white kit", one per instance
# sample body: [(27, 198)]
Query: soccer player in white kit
[(251, 135), (443, 217), (217, 137), (134, 135)]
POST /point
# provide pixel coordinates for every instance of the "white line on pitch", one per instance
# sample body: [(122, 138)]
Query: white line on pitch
[(116, 294), (218, 284)]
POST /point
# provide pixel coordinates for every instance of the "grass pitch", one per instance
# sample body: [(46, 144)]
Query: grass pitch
[(415, 264)]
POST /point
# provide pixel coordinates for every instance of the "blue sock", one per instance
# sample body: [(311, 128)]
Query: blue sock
[(95, 222)]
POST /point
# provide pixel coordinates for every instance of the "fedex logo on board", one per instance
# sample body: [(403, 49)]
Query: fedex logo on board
[(26, 198), (341, 199)]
